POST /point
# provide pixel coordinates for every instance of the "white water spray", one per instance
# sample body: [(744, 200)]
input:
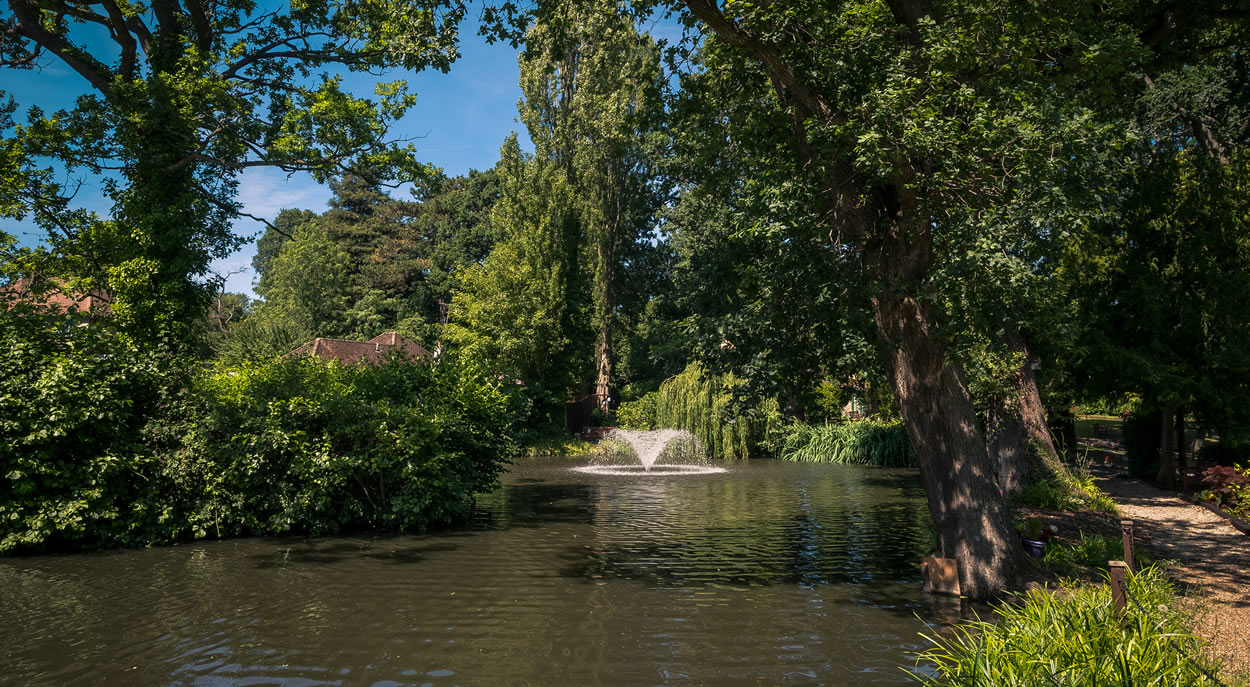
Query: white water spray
[(656, 452)]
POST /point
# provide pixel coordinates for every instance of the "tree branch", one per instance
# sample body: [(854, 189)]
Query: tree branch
[(29, 27), (733, 34)]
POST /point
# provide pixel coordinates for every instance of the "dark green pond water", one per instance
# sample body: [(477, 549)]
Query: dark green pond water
[(771, 573)]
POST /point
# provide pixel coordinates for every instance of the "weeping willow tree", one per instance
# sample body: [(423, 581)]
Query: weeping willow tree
[(702, 404)]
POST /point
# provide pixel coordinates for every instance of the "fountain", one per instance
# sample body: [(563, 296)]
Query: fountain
[(654, 452)]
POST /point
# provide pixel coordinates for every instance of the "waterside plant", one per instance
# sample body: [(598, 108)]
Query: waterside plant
[(1073, 638), (858, 442)]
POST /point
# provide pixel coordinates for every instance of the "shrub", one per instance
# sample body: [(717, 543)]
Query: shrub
[(1229, 488), (73, 404), (861, 442), (1088, 551), (1073, 638), (313, 446), (1220, 454), (639, 414), (1068, 491)]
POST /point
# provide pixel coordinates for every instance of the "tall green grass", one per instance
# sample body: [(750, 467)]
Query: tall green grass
[(1072, 638), (860, 442)]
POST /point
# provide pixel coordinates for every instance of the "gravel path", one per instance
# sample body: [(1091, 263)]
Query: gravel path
[(1210, 554)]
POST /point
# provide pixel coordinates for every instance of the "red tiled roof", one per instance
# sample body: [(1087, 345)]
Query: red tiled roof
[(56, 297), (372, 351)]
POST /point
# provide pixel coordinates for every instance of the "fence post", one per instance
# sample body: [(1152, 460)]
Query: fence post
[(1126, 533), (1118, 590)]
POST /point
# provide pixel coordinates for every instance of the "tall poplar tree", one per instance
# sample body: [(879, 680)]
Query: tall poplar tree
[(592, 105)]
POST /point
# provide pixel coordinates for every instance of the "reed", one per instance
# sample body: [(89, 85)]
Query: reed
[(859, 442)]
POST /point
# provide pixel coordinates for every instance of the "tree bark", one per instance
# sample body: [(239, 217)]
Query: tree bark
[(1167, 451), (1019, 437), (967, 507), (603, 363), (1008, 445)]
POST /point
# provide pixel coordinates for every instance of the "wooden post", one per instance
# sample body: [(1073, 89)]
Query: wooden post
[(1118, 590), (1126, 533)]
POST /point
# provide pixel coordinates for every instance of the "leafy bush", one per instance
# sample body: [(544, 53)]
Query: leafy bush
[(1229, 488), (1088, 551), (552, 440), (1220, 454), (638, 414), (1073, 638), (104, 444), (313, 446), (861, 442), (73, 404), (1069, 491)]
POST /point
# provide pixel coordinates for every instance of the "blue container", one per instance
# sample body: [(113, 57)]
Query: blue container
[(1034, 547)]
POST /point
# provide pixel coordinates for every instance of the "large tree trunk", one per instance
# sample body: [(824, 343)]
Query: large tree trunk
[(967, 507), (1008, 445), (1019, 438), (1167, 451)]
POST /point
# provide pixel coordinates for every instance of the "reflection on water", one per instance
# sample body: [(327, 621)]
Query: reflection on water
[(770, 573)]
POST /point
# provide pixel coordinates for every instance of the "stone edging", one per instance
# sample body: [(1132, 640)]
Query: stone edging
[(1238, 523)]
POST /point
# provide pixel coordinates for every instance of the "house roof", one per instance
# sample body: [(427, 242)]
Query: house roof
[(373, 351), (52, 293)]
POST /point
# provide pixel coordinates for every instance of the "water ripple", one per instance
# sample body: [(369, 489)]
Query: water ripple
[(764, 573)]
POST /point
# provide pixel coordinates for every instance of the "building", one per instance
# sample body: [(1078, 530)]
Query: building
[(53, 294), (373, 351)]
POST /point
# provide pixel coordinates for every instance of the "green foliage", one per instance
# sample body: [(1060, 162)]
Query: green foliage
[(1088, 551), (1229, 488), (706, 406), (553, 440), (74, 403), (306, 285), (859, 442), (525, 310), (592, 85), (305, 445), (1072, 638), (830, 398), (639, 414), (1222, 453), (1070, 490), (1122, 405), (179, 101), (105, 444)]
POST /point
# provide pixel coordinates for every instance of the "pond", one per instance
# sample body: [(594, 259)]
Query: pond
[(769, 573)]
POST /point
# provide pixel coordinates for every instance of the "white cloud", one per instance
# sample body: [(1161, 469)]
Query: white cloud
[(264, 192)]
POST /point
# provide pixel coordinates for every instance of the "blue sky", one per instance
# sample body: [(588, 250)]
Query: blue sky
[(461, 119)]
